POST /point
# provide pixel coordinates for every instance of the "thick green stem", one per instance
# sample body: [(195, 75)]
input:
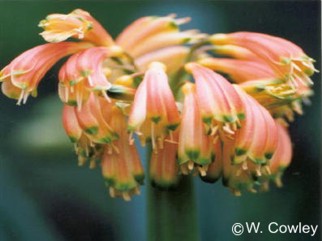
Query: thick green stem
[(172, 213)]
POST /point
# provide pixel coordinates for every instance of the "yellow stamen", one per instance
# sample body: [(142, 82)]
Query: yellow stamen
[(126, 196), (190, 165), (92, 164), (112, 192), (244, 166)]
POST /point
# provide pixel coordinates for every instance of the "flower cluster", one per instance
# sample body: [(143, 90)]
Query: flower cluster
[(161, 86)]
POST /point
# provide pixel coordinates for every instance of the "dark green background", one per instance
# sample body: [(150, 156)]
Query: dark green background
[(45, 196)]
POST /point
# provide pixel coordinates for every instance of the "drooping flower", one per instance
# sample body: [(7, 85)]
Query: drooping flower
[(78, 24), (195, 146), (260, 81), (246, 158), (89, 127), (239, 70), (84, 73), (234, 52), (154, 113), (94, 118), (288, 69), (145, 31), (163, 40), (220, 105), (234, 177), (278, 97), (172, 57), (84, 147), (122, 169), (282, 156), (256, 139), (21, 77), (286, 59), (215, 169), (99, 133), (164, 168)]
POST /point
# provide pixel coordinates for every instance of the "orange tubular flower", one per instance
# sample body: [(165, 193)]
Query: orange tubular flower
[(220, 105), (122, 168), (78, 24), (154, 113), (84, 73), (195, 147), (287, 59), (21, 77)]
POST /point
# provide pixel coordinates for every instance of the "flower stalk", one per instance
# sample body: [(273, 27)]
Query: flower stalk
[(172, 214)]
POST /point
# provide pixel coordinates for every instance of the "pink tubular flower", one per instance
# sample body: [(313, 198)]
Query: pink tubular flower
[(247, 158), (84, 147), (21, 77), (233, 175), (214, 171), (78, 24), (122, 169), (94, 122), (220, 105), (256, 140), (195, 147), (84, 73), (235, 52), (154, 112), (164, 167), (172, 57), (239, 70), (70, 124), (282, 156), (287, 59), (148, 28), (163, 40), (278, 97)]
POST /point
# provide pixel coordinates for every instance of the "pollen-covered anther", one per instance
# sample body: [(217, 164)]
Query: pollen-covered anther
[(92, 163), (244, 165), (230, 128), (125, 195), (81, 160), (258, 170), (203, 170), (236, 192), (195, 169)]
